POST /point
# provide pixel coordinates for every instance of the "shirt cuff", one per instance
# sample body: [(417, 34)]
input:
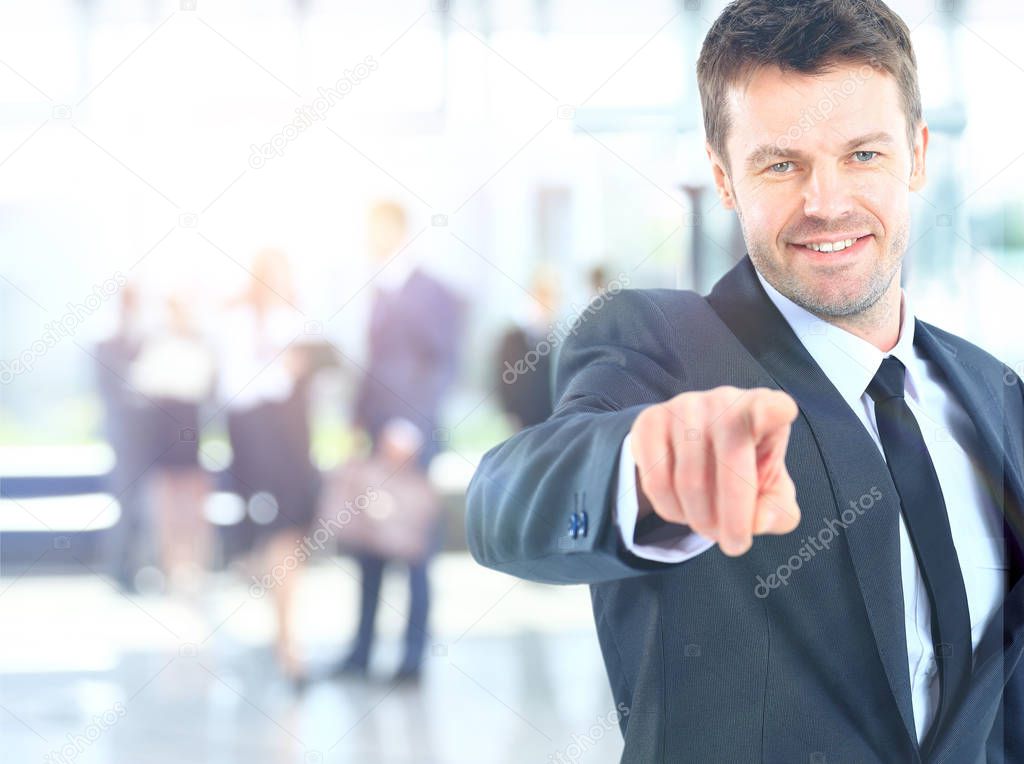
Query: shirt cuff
[(686, 545)]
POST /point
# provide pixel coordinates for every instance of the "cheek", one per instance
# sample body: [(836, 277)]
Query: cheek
[(887, 199), (766, 216)]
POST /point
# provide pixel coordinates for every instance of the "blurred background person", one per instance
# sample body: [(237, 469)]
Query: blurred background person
[(597, 280), (174, 370), (126, 418), (413, 353), (264, 379), (524, 354)]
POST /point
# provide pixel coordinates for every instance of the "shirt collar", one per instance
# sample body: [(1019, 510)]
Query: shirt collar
[(849, 362)]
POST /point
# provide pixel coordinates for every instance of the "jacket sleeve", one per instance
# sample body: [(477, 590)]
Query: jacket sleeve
[(540, 506)]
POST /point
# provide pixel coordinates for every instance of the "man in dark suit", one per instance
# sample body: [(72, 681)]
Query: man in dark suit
[(799, 508), (128, 424), (413, 346), (524, 373)]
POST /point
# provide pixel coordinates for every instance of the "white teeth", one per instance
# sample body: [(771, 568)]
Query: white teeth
[(831, 247)]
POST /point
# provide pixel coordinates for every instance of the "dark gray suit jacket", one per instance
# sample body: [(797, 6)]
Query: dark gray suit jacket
[(712, 668), (414, 350)]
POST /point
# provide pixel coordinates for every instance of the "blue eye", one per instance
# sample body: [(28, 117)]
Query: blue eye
[(775, 167), (872, 154)]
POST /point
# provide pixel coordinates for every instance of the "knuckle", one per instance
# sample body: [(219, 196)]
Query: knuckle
[(646, 422), (736, 418), (729, 445), (656, 483), (717, 399), (702, 526), (690, 483), (665, 508)]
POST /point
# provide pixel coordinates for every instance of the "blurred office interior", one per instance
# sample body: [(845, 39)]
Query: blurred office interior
[(203, 207)]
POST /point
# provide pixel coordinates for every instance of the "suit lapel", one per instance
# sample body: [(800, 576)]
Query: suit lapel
[(851, 457), (1001, 476), (986, 409), (1000, 646)]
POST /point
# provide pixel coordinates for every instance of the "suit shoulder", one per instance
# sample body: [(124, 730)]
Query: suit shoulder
[(626, 315), (966, 351), (639, 331), (669, 300)]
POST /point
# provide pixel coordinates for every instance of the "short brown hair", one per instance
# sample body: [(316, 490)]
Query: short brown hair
[(806, 36)]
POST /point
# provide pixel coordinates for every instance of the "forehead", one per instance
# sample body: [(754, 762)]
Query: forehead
[(812, 113)]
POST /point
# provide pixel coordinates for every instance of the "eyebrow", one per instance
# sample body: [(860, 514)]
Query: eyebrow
[(767, 151)]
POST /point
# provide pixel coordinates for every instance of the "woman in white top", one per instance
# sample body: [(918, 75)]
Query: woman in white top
[(174, 372), (263, 385)]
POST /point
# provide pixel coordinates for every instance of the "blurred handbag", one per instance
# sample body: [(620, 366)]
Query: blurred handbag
[(374, 507)]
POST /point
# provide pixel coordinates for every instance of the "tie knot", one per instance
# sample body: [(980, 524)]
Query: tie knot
[(888, 381)]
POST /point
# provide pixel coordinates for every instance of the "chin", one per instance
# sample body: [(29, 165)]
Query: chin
[(838, 303)]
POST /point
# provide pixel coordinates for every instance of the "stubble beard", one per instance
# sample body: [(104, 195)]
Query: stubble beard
[(830, 307)]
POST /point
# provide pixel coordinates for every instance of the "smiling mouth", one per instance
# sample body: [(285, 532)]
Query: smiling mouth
[(832, 249)]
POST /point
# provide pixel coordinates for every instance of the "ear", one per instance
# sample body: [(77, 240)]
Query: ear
[(918, 175), (721, 176)]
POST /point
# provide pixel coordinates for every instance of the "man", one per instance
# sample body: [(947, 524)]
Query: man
[(524, 374), (799, 508), (413, 346), (128, 423)]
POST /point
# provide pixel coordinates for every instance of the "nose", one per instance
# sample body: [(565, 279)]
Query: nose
[(827, 194)]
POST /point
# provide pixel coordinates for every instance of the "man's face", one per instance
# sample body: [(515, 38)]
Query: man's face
[(386, 236), (822, 159)]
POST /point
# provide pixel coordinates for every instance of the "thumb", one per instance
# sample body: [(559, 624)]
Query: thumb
[(776, 509)]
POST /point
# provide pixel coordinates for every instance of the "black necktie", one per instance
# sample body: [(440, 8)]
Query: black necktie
[(924, 512)]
